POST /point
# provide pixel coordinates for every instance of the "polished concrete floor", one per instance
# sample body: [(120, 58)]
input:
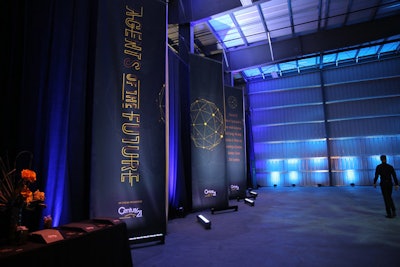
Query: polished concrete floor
[(287, 226)]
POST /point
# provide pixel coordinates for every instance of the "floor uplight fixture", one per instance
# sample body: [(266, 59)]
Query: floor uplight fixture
[(249, 201), (253, 194), (204, 221)]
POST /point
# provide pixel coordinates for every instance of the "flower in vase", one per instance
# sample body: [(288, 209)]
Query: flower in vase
[(16, 187)]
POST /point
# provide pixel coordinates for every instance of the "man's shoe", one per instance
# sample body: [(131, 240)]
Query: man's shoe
[(389, 216), (393, 214)]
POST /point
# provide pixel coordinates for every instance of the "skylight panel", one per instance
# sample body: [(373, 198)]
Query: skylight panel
[(250, 24), (254, 33), (390, 47), (270, 69), (329, 58), (368, 51), (226, 31), (346, 55), (308, 62), (232, 38), (247, 16), (221, 23), (288, 66), (252, 72)]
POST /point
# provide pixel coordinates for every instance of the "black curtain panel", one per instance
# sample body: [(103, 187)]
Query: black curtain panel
[(45, 96)]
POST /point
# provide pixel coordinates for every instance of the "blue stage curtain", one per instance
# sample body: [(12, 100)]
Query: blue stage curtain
[(45, 97), (179, 176)]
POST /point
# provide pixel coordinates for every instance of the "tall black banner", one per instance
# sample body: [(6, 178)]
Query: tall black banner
[(235, 142), (209, 183), (128, 149)]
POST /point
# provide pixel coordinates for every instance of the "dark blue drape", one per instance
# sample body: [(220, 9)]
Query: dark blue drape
[(45, 96), (179, 137)]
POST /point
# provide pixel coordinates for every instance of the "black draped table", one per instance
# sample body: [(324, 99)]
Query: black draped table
[(105, 244)]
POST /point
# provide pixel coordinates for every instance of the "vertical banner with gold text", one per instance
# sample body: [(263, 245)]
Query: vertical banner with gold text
[(235, 142), (128, 131)]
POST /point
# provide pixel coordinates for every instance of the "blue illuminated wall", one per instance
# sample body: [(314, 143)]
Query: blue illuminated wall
[(326, 127)]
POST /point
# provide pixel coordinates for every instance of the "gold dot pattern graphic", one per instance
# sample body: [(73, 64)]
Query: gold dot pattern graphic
[(207, 129)]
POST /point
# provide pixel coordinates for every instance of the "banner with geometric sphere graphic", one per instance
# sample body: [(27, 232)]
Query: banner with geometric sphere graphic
[(208, 154)]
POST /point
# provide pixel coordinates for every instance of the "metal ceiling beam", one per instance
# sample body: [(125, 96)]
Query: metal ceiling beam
[(259, 54), (185, 11)]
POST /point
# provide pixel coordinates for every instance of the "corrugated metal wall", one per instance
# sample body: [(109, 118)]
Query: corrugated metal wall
[(327, 127)]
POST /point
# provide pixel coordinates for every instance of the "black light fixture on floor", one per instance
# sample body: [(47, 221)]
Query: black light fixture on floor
[(352, 184), (180, 212), (235, 208), (249, 201), (253, 194), (204, 221)]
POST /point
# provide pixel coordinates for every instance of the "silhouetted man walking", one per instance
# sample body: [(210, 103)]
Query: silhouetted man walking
[(387, 172)]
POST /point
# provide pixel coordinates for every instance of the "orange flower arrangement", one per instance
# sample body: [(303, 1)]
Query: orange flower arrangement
[(16, 196), (28, 196), (15, 189)]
